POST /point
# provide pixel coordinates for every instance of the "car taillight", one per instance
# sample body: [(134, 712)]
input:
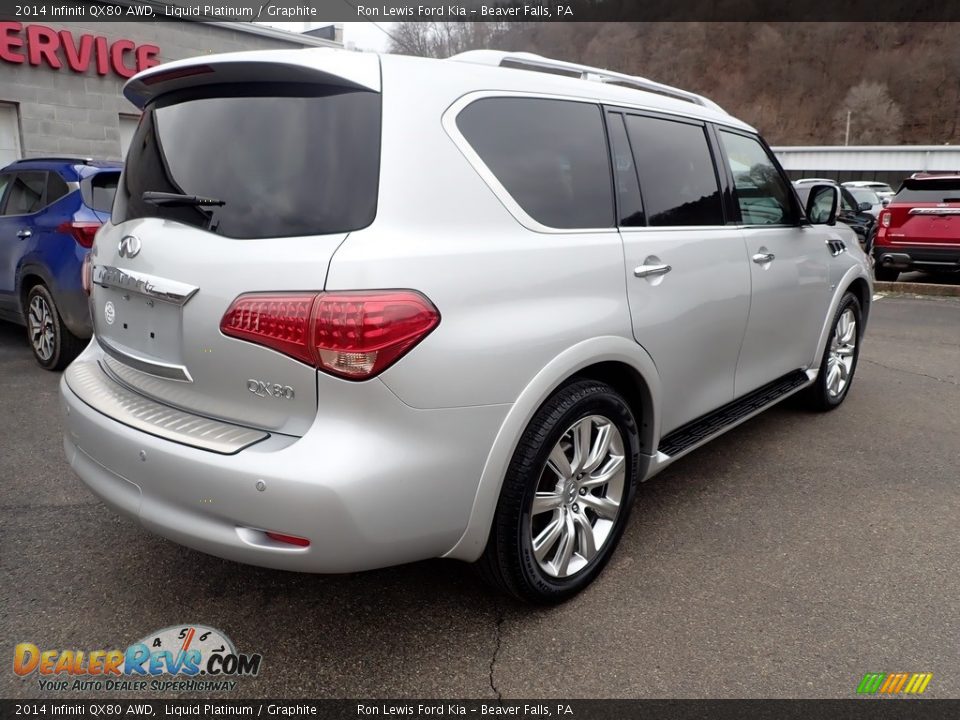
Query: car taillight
[(82, 232), (351, 334), (885, 218), (86, 274)]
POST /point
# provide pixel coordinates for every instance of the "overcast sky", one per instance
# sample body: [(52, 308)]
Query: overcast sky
[(366, 35)]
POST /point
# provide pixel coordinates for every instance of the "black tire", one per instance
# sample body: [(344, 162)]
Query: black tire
[(818, 396), (63, 346), (508, 561), (885, 274)]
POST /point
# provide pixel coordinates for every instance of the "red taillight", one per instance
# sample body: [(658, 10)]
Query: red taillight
[(352, 334), (885, 217), (82, 232), (86, 274), (288, 539)]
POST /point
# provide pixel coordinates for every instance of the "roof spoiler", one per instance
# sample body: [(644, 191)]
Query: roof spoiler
[(356, 70)]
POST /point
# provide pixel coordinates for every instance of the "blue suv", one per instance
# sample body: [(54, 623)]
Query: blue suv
[(50, 210)]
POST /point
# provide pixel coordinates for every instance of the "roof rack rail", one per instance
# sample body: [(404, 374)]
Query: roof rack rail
[(538, 63), (55, 158)]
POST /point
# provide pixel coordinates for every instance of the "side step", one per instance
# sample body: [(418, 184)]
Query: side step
[(712, 423)]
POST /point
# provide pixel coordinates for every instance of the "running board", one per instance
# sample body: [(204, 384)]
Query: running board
[(699, 431)]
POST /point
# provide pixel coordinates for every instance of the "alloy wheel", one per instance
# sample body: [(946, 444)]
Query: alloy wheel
[(843, 346), (578, 496), (40, 322)]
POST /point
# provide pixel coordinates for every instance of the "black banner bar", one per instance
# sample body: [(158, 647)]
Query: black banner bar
[(854, 709), (483, 10)]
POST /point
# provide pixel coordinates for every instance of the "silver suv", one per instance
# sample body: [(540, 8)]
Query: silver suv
[(357, 310)]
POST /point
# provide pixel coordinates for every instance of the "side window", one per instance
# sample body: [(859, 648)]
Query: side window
[(56, 188), (26, 193), (677, 176), (847, 201), (4, 183), (550, 155), (625, 179), (761, 192)]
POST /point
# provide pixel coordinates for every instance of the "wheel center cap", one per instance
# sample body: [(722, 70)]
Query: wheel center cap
[(570, 493)]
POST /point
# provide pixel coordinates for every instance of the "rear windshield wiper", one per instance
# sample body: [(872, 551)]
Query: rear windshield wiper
[(177, 199)]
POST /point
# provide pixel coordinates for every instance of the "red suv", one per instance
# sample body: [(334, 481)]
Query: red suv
[(920, 228)]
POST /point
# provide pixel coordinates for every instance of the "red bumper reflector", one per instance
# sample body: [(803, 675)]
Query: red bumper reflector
[(288, 539)]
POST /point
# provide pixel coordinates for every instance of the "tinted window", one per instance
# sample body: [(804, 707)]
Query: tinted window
[(99, 191), (56, 188), (762, 194), (550, 155), (25, 195), (283, 159), (629, 203), (847, 201), (677, 176), (932, 191), (4, 182)]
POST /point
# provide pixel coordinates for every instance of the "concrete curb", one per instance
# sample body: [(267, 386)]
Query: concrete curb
[(918, 288)]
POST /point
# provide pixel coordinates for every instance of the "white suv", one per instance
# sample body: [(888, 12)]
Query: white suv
[(357, 310)]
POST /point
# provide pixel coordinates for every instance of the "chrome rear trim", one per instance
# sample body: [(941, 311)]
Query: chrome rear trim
[(151, 286), (167, 371), (91, 384)]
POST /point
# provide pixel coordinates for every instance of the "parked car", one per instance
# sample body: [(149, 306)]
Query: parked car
[(857, 215), (322, 347), (920, 228), (882, 189), (864, 197), (50, 210)]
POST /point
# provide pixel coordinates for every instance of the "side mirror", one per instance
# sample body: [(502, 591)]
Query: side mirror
[(885, 201), (822, 204), (865, 207)]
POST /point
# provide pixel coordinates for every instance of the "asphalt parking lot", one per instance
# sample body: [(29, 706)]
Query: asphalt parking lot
[(784, 560)]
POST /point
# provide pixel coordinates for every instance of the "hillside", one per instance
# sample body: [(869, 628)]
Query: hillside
[(794, 81)]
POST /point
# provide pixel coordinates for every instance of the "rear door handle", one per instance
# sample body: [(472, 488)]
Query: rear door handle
[(651, 270), (763, 257), (24, 234)]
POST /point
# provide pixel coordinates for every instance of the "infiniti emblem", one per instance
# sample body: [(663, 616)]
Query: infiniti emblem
[(129, 246)]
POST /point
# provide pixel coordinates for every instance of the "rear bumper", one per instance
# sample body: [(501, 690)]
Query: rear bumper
[(922, 257), (373, 483)]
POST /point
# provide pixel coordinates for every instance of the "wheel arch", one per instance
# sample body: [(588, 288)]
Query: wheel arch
[(618, 361), (857, 281)]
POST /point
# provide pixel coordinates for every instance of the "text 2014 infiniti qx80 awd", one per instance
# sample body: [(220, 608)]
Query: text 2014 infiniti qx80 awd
[(354, 310)]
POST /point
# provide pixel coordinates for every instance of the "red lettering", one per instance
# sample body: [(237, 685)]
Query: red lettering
[(117, 51), (147, 56), (42, 44), (103, 60), (78, 58), (10, 39)]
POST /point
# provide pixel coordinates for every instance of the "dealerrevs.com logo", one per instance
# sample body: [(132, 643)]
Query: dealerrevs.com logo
[(178, 658)]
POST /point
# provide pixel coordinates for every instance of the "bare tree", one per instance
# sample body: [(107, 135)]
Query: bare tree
[(874, 116), (443, 39)]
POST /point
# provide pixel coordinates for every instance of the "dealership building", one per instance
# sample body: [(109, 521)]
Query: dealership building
[(60, 84)]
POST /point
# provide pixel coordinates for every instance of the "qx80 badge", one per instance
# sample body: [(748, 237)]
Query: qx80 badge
[(271, 390)]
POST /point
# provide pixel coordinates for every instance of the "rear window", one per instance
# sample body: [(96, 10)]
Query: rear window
[(283, 159), (929, 191)]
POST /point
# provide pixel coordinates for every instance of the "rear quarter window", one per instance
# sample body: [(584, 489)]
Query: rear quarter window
[(99, 191), (549, 155)]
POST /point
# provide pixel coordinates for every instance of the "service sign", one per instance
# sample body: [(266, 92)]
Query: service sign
[(42, 46)]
